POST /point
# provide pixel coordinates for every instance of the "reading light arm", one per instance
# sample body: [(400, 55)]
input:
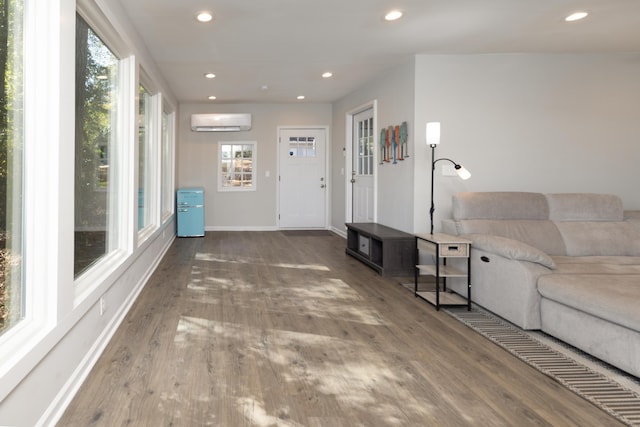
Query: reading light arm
[(457, 166)]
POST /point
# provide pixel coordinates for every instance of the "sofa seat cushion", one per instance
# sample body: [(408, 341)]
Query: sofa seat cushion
[(597, 265), (610, 297)]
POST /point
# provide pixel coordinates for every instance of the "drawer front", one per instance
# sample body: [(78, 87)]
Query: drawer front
[(454, 250)]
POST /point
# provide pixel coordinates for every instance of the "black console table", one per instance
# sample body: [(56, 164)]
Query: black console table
[(389, 251)]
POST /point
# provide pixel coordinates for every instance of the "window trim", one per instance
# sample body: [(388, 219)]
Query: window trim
[(167, 198), (254, 167), (152, 162), (45, 114), (121, 223)]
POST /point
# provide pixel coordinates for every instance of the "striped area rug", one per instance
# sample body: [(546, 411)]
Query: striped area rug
[(610, 389)]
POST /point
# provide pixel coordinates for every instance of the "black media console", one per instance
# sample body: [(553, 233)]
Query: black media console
[(389, 251)]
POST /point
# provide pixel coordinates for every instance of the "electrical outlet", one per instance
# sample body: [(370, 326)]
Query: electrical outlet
[(103, 306)]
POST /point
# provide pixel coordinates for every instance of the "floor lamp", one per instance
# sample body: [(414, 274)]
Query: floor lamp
[(433, 139)]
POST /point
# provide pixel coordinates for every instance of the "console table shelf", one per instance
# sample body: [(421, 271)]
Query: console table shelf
[(441, 247), (389, 251)]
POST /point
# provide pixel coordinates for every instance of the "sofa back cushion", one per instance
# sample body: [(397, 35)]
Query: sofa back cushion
[(599, 238), (593, 224), (585, 207), (543, 235), (516, 215), (500, 205)]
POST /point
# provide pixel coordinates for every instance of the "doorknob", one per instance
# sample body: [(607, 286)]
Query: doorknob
[(353, 176), (322, 185)]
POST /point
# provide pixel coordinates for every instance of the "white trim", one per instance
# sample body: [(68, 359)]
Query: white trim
[(341, 233), (120, 234), (239, 228), (254, 167), (349, 158), (42, 97), (168, 191)]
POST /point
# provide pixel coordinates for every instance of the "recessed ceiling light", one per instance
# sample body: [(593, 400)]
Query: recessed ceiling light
[(204, 16), (393, 15), (210, 75), (212, 97), (300, 96), (327, 74), (576, 16)]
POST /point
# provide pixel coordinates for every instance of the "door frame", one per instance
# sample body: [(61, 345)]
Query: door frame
[(327, 176), (349, 159)]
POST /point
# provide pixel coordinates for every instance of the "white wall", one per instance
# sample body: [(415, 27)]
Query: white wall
[(534, 122), (198, 160), (394, 93)]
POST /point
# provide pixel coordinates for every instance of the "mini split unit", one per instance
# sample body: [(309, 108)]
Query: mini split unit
[(220, 122)]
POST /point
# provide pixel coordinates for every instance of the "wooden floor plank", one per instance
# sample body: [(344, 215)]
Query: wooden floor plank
[(277, 328)]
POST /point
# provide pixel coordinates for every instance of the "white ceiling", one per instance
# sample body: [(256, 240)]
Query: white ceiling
[(287, 44)]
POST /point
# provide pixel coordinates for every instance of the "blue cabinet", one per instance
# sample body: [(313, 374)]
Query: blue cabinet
[(190, 207)]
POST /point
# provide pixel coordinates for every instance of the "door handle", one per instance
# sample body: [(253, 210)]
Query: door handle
[(353, 177), (322, 185)]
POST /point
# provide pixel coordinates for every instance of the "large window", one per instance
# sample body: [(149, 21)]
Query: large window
[(96, 184), (144, 149), (237, 166), (167, 164), (11, 144)]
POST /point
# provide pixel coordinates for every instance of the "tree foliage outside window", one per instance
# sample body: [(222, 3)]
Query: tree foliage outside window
[(144, 117), (11, 158), (95, 147)]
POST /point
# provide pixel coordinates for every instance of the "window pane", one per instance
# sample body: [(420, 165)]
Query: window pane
[(167, 192), (236, 166), (95, 172), (144, 116), (11, 146)]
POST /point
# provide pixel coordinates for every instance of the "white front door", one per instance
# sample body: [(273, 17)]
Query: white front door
[(302, 181), (363, 156)]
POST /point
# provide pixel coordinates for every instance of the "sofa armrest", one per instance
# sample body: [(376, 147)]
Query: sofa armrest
[(511, 249)]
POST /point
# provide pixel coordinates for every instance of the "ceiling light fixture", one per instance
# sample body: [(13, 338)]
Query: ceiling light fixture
[(210, 75), (576, 16), (204, 16), (327, 74), (300, 97), (212, 97), (393, 15)]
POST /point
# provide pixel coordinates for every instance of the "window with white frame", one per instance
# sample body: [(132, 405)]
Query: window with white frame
[(11, 163), (96, 148), (144, 158), (237, 166), (167, 163)]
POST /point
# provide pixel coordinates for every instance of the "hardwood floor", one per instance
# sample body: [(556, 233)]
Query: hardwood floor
[(285, 329)]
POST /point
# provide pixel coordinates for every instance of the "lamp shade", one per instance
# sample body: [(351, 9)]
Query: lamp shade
[(463, 173), (433, 133)]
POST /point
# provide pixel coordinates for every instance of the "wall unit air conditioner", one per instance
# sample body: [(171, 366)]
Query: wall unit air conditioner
[(220, 122)]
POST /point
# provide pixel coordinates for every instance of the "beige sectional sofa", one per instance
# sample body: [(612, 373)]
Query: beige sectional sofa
[(568, 264)]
